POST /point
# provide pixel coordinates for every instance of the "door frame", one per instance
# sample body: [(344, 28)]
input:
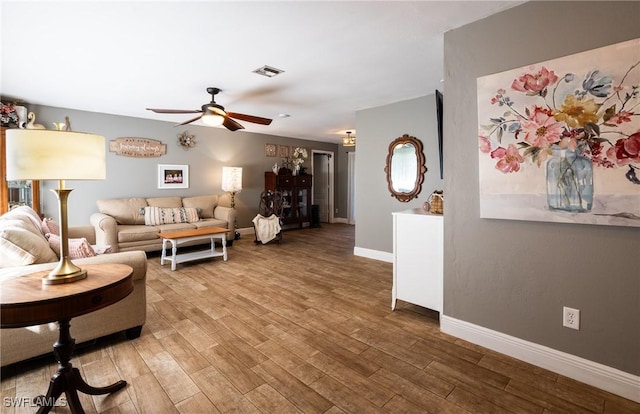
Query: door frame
[(331, 212), (351, 187)]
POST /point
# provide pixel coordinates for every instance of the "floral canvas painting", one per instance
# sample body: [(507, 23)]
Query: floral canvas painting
[(559, 140)]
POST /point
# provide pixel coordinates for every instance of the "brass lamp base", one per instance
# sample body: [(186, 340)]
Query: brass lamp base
[(65, 272), (57, 280)]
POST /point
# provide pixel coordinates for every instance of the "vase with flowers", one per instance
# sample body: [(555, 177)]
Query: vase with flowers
[(8, 116), (568, 124), (297, 159)]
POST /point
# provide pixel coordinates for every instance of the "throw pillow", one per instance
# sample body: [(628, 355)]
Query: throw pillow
[(30, 214), (49, 225), (101, 249), (22, 245), (78, 248), (167, 215)]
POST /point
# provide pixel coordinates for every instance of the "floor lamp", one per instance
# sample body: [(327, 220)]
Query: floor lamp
[(38, 154), (232, 182)]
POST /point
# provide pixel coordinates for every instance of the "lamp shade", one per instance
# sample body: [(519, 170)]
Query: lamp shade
[(232, 179), (39, 154)]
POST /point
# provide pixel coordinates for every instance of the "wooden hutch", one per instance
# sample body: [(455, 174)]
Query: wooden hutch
[(16, 193), (296, 192)]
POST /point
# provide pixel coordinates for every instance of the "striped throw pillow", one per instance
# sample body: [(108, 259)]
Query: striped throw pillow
[(168, 215), (78, 248)]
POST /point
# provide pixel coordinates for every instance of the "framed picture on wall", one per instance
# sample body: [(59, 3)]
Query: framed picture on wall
[(173, 176), (283, 151), (270, 150)]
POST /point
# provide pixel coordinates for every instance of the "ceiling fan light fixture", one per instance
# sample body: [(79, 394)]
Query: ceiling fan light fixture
[(268, 71), (212, 119)]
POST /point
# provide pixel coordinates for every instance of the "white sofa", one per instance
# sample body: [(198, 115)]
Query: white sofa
[(120, 222), (24, 249)]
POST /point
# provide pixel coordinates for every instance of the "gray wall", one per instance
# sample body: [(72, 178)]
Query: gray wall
[(127, 176), (377, 127), (515, 276)]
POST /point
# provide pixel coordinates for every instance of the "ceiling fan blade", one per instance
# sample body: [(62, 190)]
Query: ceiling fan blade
[(250, 118), (231, 125), (190, 121), (174, 111)]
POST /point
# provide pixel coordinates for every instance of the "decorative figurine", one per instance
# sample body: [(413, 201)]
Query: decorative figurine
[(31, 124)]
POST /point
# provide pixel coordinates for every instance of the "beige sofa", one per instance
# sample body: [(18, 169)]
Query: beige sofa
[(24, 250), (120, 222)]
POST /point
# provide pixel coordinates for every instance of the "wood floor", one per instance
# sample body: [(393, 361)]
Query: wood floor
[(303, 326)]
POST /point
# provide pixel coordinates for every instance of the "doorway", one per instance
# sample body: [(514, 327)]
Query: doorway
[(322, 169)]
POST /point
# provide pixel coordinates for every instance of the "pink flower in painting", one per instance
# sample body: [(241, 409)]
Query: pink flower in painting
[(498, 98), (534, 83), (589, 117), (621, 117), (626, 150), (541, 129), (509, 159), (484, 144)]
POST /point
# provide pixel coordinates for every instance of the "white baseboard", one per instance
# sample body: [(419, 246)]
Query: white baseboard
[(246, 231), (340, 220), (373, 254), (601, 376)]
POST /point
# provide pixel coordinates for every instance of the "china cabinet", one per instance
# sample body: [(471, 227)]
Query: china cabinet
[(418, 258), (16, 193), (296, 194)]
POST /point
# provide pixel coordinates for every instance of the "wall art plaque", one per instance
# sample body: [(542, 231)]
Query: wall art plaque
[(137, 147)]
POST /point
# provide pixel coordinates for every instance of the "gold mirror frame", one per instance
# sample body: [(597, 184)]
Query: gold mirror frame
[(421, 169)]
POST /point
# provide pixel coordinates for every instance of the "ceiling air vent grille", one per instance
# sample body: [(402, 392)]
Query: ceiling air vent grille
[(268, 71)]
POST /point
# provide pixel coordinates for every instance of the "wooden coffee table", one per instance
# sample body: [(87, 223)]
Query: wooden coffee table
[(25, 301), (183, 236)]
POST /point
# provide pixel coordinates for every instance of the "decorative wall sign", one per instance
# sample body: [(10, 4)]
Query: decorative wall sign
[(137, 147), (270, 150), (559, 140), (173, 176)]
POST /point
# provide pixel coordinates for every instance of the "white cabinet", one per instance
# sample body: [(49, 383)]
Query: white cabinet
[(417, 258)]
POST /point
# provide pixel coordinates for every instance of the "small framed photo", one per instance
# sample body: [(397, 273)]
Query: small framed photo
[(283, 151), (270, 150), (173, 176)]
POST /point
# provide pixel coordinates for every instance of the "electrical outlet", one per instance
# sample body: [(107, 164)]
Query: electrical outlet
[(571, 318)]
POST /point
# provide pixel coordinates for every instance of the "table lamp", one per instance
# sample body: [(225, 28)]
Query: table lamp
[(232, 181), (38, 154)]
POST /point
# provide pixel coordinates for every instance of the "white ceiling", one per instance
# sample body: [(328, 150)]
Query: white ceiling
[(120, 57)]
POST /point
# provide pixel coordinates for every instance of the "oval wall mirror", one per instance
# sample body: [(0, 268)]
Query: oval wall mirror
[(405, 168)]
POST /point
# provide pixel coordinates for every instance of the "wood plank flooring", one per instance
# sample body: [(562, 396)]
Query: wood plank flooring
[(299, 327)]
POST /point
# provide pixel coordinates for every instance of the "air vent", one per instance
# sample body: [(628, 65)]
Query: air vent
[(268, 71)]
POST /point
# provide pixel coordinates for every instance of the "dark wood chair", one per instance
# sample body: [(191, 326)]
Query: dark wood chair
[(271, 204)]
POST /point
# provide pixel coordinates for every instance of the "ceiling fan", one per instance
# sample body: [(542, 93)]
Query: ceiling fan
[(214, 114)]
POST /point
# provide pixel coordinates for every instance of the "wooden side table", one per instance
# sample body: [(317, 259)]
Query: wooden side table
[(25, 301)]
